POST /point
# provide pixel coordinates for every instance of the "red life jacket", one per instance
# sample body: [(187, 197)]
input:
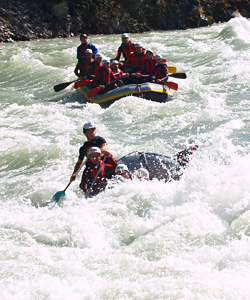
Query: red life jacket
[(82, 49), (116, 75), (94, 71), (137, 59), (105, 75), (84, 66), (161, 71), (149, 67), (89, 175), (126, 50)]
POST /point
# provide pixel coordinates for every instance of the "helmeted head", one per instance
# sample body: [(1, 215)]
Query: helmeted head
[(94, 154), (98, 57), (158, 57), (94, 150), (138, 48), (88, 126), (106, 62), (122, 170), (125, 38), (89, 130), (88, 53), (144, 173), (149, 53)]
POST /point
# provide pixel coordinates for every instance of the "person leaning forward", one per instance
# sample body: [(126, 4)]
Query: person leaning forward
[(89, 130)]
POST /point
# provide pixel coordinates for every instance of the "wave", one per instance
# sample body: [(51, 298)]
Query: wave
[(237, 32)]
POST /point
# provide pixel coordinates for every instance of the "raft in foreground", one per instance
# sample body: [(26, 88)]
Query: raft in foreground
[(160, 166), (150, 91)]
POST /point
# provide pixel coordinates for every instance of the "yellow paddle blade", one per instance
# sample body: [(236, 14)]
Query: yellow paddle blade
[(172, 69)]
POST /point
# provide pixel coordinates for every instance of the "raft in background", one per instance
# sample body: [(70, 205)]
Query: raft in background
[(148, 90)]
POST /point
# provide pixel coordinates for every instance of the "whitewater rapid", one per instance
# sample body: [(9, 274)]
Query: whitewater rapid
[(186, 239)]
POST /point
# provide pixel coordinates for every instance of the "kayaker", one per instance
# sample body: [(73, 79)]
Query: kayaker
[(84, 46), (125, 49), (82, 67), (89, 130), (161, 69), (93, 182)]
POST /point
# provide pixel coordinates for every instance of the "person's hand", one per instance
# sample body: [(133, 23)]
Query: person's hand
[(138, 75), (88, 191), (101, 86), (106, 153)]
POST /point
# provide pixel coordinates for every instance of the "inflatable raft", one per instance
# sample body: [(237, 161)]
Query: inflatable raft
[(150, 91), (159, 166)]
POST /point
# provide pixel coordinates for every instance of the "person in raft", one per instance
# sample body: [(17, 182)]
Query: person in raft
[(89, 130), (94, 178), (81, 49)]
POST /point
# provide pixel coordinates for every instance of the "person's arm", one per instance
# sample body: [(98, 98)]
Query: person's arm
[(118, 56), (93, 48), (77, 69), (77, 167)]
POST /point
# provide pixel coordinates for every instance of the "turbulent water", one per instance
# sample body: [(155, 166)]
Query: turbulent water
[(187, 239)]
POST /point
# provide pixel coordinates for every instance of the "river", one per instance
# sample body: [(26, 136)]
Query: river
[(195, 243)]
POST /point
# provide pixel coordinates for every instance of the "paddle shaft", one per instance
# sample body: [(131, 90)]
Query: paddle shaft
[(98, 171), (62, 86)]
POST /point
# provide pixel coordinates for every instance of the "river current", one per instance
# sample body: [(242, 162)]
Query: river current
[(186, 239)]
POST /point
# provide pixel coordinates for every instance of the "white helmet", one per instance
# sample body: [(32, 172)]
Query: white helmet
[(88, 126), (125, 35), (88, 51), (144, 172), (105, 60), (98, 55), (158, 56), (114, 62), (94, 150), (121, 167)]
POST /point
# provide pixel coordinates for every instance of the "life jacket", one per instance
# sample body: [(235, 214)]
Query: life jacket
[(82, 48), (94, 71), (90, 174), (84, 66), (137, 59), (126, 49), (116, 75), (161, 71), (149, 66), (105, 75)]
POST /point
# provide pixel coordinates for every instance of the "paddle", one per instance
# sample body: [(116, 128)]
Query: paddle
[(93, 183), (178, 75), (96, 90), (80, 83), (62, 86), (60, 194), (172, 69), (171, 85)]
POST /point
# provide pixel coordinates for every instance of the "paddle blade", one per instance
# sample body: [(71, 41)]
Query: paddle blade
[(80, 83), (93, 92), (171, 85), (62, 86), (179, 75), (172, 69), (58, 196)]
